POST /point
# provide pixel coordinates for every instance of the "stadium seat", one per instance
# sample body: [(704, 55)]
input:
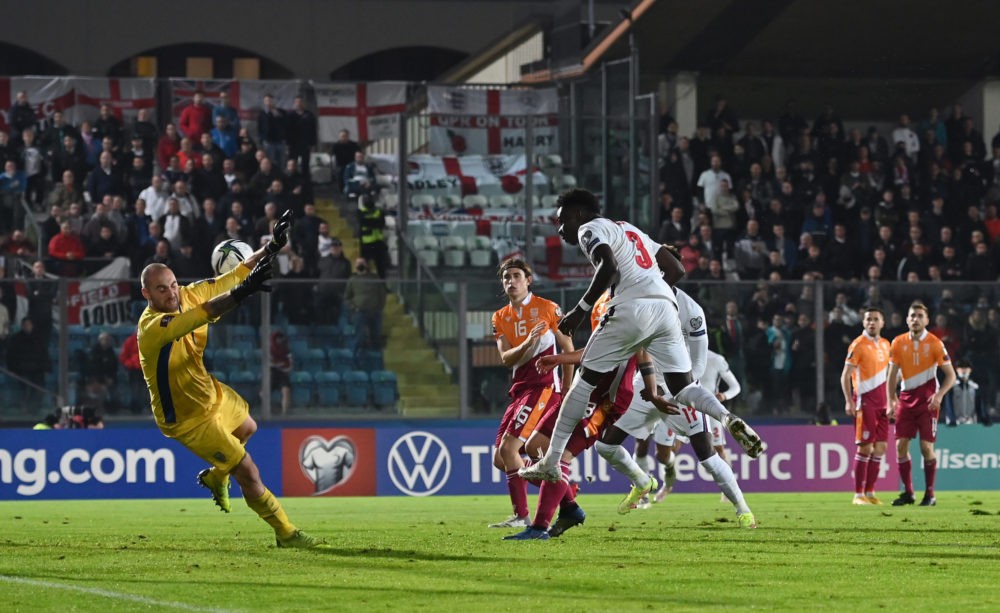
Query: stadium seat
[(356, 384), (449, 201), (428, 250), (419, 201), (243, 332), (521, 199), (550, 201), (471, 200), (566, 182), (302, 388), (246, 383), (221, 375), (312, 360), (390, 201), (502, 201), (341, 360), (327, 388), (454, 251), (298, 345), (384, 388), (370, 360), (326, 336), (228, 359), (244, 347), (480, 251)]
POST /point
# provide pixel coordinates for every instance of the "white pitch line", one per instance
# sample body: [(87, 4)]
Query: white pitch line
[(96, 591)]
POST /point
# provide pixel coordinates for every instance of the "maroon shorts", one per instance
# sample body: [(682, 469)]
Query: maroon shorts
[(871, 425), (523, 414), (917, 420), (596, 420)]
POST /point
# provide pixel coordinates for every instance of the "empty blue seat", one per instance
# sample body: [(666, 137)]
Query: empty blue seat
[(370, 360), (302, 388), (327, 388), (246, 383), (384, 388), (228, 359), (340, 359), (356, 387)]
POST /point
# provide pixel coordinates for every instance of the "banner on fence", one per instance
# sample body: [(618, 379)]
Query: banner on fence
[(440, 459), (491, 121), (246, 96), (369, 111), (472, 174), (79, 98), (100, 300)]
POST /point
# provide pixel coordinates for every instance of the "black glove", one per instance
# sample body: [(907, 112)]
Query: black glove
[(255, 281), (280, 237)]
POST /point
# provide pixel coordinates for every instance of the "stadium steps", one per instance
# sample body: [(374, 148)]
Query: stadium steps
[(425, 388), (339, 227)]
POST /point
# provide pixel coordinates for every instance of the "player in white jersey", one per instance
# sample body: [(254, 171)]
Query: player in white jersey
[(644, 416), (716, 371), (642, 314)]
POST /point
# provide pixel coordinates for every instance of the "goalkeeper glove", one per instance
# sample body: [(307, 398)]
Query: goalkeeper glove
[(280, 236), (255, 281)]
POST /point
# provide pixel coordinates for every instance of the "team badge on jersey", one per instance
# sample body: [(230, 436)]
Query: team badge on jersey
[(695, 323), (165, 320)]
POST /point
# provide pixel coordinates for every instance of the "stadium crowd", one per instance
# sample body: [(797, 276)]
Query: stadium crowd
[(777, 201), (790, 199)]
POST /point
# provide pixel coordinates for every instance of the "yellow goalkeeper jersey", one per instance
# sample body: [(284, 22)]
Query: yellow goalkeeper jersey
[(171, 352)]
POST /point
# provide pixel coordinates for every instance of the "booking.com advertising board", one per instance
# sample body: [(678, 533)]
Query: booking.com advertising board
[(439, 459)]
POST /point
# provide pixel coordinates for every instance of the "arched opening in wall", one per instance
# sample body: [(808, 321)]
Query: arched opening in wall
[(200, 60), (15, 60), (400, 64)]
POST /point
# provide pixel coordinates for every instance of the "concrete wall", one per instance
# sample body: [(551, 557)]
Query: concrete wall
[(310, 37)]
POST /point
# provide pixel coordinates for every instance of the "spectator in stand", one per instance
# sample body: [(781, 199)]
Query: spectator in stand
[(365, 294), (263, 226), (49, 227), (260, 183), (18, 245), (840, 254), (28, 358), (751, 252), (71, 157), (690, 252), (68, 249), (129, 360), (100, 374), (108, 126), (161, 255), (272, 131), (35, 172), (188, 204), (903, 133), (12, 186), (177, 227), (105, 245), (721, 115), (187, 266), (104, 180), (224, 137), (297, 298), (209, 225), (779, 340), (229, 173), (232, 231), (371, 221), (979, 265), (305, 239), (225, 110), (187, 154), (156, 196), (301, 132), (724, 207), (951, 338), (207, 145), (343, 151), (75, 216), (298, 185), (168, 146), (237, 212), (144, 130), (675, 229), (21, 117), (196, 118), (208, 181), (281, 368), (360, 177), (173, 172), (803, 369), (137, 178), (245, 161), (964, 403)]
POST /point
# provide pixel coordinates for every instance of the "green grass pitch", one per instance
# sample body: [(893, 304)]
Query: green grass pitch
[(811, 551)]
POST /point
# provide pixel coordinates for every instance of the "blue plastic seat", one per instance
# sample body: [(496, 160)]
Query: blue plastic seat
[(327, 388), (302, 388), (356, 388), (384, 388), (341, 360)]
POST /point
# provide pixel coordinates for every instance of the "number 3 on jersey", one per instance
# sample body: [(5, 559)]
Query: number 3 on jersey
[(642, 258)]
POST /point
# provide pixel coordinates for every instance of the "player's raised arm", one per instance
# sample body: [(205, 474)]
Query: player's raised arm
[(670, 264), (279, 240)]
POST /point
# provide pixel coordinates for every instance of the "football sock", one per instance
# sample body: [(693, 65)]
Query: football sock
[(622, 461), (518, 489), (874, 467), (906, 474), (860, 472), (694, 395), (573, 407), (535, 482), (269, 509), (549, 497), (726, 481), (930, 472), (645, 462)]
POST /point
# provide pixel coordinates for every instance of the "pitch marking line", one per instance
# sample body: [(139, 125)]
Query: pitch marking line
[(108, 594)]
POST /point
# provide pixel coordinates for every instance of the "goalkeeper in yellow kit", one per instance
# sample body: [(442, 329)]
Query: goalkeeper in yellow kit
[(192, 406)]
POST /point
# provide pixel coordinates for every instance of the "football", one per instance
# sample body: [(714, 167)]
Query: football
[(228, 254)]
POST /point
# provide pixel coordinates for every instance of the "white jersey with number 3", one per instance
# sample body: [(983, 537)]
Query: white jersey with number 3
[(635, 255)]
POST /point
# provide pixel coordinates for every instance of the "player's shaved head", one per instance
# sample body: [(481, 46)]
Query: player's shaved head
[(150, 271)]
